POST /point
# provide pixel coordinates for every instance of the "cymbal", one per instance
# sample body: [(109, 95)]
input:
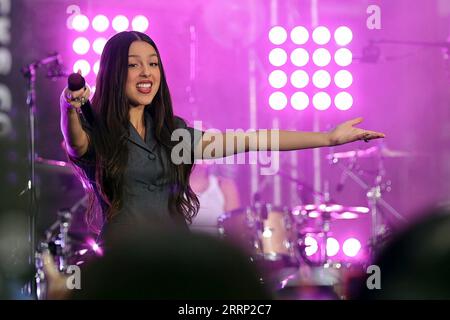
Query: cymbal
[(330, 211), (370, 152)]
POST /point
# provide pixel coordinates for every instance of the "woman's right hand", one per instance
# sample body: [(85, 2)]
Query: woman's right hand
[(74, 99)]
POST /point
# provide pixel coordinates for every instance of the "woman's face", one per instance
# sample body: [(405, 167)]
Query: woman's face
[(144, 75)]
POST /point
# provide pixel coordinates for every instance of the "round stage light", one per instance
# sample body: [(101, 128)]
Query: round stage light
[(82, 65), (321, 101), (299, 35), (80, 23), (321, 57), (277, 35), (300, 101), (321, 35), (277, 57), (332, 247), (299, 79), (120, 23), (299, 57), (343, 101), (278, 79), (343, 79), (343, 36), (81, 45), (351, 247), (343, 57), (98, 45), (140, 23), (321, 79), (278, 101), (100, 23), (311, 246)]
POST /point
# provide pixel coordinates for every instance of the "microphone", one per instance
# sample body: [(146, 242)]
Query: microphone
[(371, 54), (76, 82)]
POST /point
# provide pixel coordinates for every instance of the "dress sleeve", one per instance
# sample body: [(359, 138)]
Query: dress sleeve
[(87, 160)]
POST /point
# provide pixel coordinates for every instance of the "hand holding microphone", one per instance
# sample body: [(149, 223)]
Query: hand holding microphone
[(77, 93), (76, 96)]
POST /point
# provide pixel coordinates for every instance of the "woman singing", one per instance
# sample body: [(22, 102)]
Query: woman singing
[(125, 155)]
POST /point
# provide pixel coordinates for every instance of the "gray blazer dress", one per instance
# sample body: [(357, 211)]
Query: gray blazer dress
[(146, 186)]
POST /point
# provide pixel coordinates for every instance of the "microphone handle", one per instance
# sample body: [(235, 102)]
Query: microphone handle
[(86, 110)]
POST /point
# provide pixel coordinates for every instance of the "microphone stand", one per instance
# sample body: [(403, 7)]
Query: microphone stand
[(372, 53), (29, 72)]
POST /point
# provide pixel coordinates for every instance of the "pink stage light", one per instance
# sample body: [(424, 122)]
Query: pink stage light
[(96, 67), (321, 35), (277, 35), (345, 215), (343, 101), (299, 79), (311, 246), (343, 57), (343, 36), (351, 247), (332, 247), (314, 214), (321, 101), (100, 23), (300, 101), (277, 57), (299, 57), (299, 35), (120, 23), (82, 65), (278, 79), (80, 23), (94, 246), (278, 100), (321, 57), (140, 23), (98, 45), (343, 79), (81, 45), (321, 79)]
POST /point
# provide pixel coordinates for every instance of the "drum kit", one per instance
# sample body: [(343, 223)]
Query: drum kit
[(67, 247), (63, 240), (270, 233), (278, 237)]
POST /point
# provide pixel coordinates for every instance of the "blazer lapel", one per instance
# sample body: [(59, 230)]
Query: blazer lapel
[(149, 136)]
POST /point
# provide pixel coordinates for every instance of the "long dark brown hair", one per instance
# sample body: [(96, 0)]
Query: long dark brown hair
[(110, 131)]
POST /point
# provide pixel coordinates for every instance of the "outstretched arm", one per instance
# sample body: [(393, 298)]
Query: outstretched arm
[(75, 137), (217, 145)]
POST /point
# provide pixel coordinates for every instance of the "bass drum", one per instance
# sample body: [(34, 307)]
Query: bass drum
[(266, 232)]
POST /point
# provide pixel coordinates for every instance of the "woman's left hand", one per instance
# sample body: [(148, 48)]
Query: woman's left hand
[(345, 133)]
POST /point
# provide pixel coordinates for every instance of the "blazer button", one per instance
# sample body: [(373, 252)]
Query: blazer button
[(151, 187), (151, 156)]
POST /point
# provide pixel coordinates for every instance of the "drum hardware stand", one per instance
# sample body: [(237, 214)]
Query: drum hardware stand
[(301, 185), (29, 72), (58, 245), (257, 221), (374, 198)]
